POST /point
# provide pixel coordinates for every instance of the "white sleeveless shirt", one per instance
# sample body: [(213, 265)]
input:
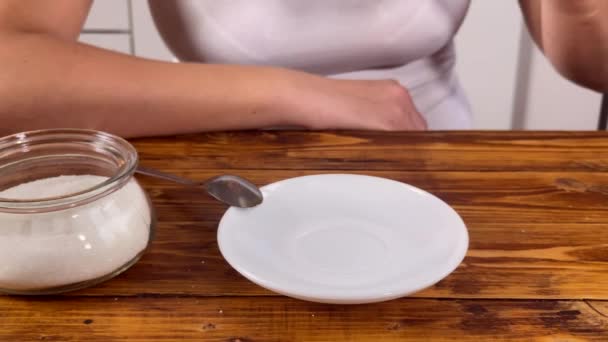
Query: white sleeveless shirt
[(406, 40)]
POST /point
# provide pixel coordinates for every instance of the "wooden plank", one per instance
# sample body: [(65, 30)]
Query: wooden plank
[(532, 235), (436, 151), (505, 261), (280, 319), (509, 197), (538, 242)]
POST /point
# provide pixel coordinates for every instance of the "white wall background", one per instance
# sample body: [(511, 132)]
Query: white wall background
[(488, 47), (510, 84)]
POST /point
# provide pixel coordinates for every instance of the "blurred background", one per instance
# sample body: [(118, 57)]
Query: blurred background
[(509, 83)]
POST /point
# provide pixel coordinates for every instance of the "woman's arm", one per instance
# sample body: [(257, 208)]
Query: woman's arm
[(49, 80), (573, 34)]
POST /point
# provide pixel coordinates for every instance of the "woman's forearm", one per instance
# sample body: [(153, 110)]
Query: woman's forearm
[(48, 82), (574, 36)]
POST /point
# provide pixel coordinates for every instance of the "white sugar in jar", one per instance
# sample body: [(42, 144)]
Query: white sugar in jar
[(71, 213)]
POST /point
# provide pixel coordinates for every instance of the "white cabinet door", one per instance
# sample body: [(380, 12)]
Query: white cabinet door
[(108, 15), (108, 26), (553, 103), (114, 42), (148, 42), (488, 47)]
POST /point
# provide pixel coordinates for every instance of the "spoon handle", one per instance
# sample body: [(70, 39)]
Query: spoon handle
[(158, 174), (232, 190)]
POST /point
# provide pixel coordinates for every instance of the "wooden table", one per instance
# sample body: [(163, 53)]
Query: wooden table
[(536, 205)]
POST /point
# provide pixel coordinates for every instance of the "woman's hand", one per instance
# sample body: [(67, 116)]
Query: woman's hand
[(321, 103)]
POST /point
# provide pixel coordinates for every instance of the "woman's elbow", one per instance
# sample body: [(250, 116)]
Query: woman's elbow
[(597, 82), (6, 101), (588, 74), (9, 119), (14, 99)]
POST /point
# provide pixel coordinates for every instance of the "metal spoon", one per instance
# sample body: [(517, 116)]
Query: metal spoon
[(232, 190)]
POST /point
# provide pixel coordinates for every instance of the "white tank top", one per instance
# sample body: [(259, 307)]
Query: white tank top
[(406, 40)]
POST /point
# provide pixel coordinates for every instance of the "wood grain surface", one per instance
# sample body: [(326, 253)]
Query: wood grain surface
[(426, 151), (270, 319), (535, 204)]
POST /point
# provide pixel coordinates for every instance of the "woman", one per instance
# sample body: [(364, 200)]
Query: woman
[(317, 64)]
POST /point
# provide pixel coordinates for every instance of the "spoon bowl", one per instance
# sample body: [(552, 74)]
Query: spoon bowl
[(230, 189)]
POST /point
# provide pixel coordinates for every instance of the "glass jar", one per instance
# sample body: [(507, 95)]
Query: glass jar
[(71, 213)]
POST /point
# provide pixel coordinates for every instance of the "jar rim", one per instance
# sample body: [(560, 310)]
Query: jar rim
[(99, 140)]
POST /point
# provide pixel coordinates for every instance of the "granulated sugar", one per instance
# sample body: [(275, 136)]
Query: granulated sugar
[(59, 248)]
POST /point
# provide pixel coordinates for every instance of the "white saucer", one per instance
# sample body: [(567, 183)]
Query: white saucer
[(344, 239)]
